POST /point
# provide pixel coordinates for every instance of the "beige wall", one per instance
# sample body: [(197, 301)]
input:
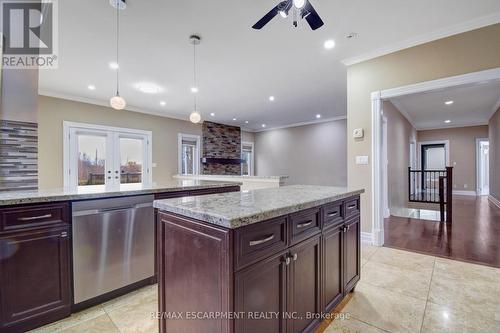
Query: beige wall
[(464, 53), (399, 135), (494, 136), (311, 154), (462, 152)]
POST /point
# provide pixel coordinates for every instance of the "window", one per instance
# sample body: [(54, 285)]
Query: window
[(105, 157), (247, 155), (189, 154)]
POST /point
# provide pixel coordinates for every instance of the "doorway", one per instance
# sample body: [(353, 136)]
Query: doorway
[(482, 166)]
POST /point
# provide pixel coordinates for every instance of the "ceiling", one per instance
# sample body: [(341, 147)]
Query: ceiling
[(238, 67), (472, 105)]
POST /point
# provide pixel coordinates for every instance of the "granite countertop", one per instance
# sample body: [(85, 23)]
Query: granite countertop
[(96, 192), (232, 177), (234, 210)]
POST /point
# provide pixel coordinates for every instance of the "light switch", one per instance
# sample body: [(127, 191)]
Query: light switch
[(362, 160)]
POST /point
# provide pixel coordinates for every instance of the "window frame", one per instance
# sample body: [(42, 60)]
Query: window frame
[(251, 166), (112, 135), (197, 156)]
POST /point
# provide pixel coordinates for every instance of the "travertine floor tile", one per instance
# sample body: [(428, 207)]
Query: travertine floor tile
[(403, 259), (444, 319), (396, 279), (382, 308), (367, 251), (351, 326), (73, 320), (136, 317), (101, 324)]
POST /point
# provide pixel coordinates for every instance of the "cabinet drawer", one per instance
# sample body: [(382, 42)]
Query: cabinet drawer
[(22, 217), (352, 207), (333, 214), (304, 224), (260, 240)]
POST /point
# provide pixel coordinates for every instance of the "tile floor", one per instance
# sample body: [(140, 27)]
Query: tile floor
[(399, 291)]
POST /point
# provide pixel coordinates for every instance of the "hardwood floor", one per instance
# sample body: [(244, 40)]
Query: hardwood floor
[(474, 235)]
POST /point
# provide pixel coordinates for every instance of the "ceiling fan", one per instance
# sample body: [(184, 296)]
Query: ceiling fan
[(301, 9)]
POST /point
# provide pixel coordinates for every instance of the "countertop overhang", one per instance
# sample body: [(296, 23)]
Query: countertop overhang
[(98, 192), (237, 209)]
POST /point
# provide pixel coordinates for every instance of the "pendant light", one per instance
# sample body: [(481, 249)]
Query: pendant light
[(117, 102), (195, 116)]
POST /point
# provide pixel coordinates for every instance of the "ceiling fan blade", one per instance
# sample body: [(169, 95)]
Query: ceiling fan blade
[(312, 17), (269, 16)]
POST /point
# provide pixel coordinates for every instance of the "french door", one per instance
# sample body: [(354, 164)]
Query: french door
[(98, 157)]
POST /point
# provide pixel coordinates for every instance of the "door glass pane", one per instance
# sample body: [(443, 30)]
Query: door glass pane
[(435, 158), (91, 160), (131, 160), (245, 166), (188, 157)]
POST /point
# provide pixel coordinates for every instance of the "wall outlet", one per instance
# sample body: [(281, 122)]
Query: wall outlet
[(154, 165), (362, 160), (465, 185), (358, 133)]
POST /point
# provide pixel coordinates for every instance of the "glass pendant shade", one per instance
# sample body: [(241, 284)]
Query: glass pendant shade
[(195, 117), (117, 102)]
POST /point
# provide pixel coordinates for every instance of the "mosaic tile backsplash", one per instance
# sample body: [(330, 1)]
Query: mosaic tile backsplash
[(18, 156)]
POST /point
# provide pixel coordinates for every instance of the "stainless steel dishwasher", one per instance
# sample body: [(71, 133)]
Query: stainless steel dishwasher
[(113, 244)]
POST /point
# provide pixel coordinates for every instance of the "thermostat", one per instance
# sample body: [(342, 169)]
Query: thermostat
[(358, 133)]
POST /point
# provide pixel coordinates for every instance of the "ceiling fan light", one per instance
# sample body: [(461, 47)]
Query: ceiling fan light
[(283, 14), (195, 117), (117, 102), (299, 4)]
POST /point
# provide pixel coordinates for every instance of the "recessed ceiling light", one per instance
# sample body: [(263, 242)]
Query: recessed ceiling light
[(271, 98), (148, 87), (212, 114), (114, 65), (163, 103), (91, 87), (318, 116), (448, 102), (263, 125), (234, 119), (329, 44), (447, 121), (246, 121), (195, 90)]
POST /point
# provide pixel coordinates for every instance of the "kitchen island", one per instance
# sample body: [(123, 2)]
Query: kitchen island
[(62, 250), (270, 260)]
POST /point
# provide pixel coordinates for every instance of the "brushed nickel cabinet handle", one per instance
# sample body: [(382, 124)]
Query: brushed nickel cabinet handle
[(261, 241), (34, 218), (351, 206), (295, 256), (286, 260), (64, 234), (335, 213), (304, 224)]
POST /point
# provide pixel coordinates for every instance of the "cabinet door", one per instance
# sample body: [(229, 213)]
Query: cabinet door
[(332, 258), (352, 255), (304, 285), (34, 279), (261, 290)]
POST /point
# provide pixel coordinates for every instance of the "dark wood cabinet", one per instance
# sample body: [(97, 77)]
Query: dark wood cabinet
[(259, 289), (34, 278), (352, 254), (279, 275), (304, 285), (333, 260)]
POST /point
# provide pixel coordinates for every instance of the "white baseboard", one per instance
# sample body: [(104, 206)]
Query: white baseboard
[(493, 200), (367, 237), (471, 193)]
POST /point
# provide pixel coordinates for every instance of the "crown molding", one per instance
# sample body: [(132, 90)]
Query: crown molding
[(426, 38), (99, 102), (469, 124), (313, 122)]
